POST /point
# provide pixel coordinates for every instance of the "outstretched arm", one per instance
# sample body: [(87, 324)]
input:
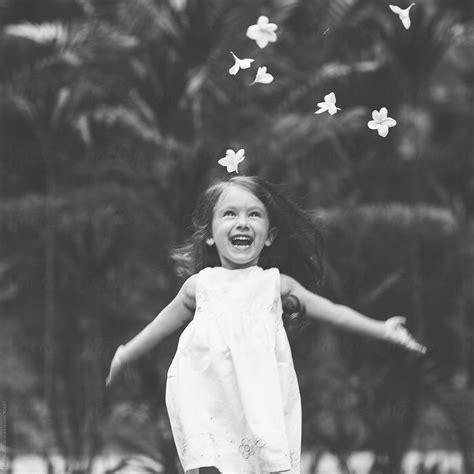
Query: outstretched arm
[(342, 316), (172, 317)]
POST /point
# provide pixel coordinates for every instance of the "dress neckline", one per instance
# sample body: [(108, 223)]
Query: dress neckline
[(237, 269)]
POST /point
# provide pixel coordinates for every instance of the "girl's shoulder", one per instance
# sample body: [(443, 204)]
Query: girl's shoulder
[(188, 291)]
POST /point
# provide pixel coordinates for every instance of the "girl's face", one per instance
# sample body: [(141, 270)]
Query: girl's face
[(240, 228)]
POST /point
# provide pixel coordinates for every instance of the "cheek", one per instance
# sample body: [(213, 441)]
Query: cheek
[(218, 227), (213, 228)]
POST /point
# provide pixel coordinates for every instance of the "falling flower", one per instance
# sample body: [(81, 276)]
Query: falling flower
[(381, 122), (262, 76), (329, 104), (404, 14), (263, 32), (232, 159), (239, 64)]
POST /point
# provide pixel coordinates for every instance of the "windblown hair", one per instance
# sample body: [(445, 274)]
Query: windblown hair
[(296, 250)]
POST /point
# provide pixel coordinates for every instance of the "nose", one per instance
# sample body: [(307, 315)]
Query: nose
[(242, 221)]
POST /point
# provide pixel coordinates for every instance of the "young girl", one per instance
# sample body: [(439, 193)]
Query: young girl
[(232, 394)]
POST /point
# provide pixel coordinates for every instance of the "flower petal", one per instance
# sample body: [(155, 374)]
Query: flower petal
[(323, 107), (406, 21), (375, 115), (271, 36), (373, 125), (330, 98), (382, 130), (253, 32), (234, 69), (389, 122), (383, 112), (262, 20), (266, 78), (395, 9), (262, 41), (245, 63), (228, 164)]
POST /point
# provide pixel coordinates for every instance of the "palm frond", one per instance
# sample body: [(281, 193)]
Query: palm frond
[(149, 20), (14, 105), (99, 43), (120, 116), (44, 33)]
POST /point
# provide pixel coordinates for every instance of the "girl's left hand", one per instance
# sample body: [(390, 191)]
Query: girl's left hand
[(395, 332)]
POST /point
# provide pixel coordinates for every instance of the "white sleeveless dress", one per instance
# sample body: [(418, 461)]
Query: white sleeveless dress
[(232, 394)]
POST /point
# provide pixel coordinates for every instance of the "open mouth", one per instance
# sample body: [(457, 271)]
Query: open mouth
[(241, 241)]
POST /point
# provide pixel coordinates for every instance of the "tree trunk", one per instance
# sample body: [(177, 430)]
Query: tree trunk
[(49, 303)]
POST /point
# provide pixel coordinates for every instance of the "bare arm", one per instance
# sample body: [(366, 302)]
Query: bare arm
[(322, 309), (172, 317), (344, 317)]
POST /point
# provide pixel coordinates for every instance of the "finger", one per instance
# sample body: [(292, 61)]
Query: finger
[(419, 347)]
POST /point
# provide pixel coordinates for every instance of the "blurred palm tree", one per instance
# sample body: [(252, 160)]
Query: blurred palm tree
[(61, 89), (418, 258), (139, 94)]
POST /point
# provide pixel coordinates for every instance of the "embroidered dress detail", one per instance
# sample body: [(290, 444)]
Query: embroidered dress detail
[(232, 394)]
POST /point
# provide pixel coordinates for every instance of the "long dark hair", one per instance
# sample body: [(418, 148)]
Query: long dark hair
[(296, 250)]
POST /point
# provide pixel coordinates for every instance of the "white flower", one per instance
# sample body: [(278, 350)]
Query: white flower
[(239, 64), (262, 76), (232, 159), (404, 14), (263, 32), (329, 104), (381, 122)]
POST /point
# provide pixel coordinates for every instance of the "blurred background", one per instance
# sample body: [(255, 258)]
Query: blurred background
[(113, 114)]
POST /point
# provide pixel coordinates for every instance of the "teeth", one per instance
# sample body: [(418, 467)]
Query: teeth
[(241, 240)]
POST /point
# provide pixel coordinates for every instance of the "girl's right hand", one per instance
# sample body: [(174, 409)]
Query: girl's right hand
[(116, 367)]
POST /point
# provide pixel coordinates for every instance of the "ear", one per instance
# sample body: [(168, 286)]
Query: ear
[(272, 233), (210, 241)]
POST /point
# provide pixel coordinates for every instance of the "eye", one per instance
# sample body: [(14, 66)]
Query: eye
[(255, 214), (229, 213)]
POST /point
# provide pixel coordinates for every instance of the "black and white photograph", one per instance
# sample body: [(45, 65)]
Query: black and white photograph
[(236, 237)]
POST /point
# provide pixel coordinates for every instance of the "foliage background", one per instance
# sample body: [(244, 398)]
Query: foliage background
[(112, 117)]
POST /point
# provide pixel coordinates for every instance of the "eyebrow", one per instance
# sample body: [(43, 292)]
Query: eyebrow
[(233, 206)]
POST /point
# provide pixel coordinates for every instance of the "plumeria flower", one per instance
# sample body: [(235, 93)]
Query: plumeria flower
[(263, 32), (262, 76), (381, 122), (329, 104), (239, 64), (232, 159), (404, 14)]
